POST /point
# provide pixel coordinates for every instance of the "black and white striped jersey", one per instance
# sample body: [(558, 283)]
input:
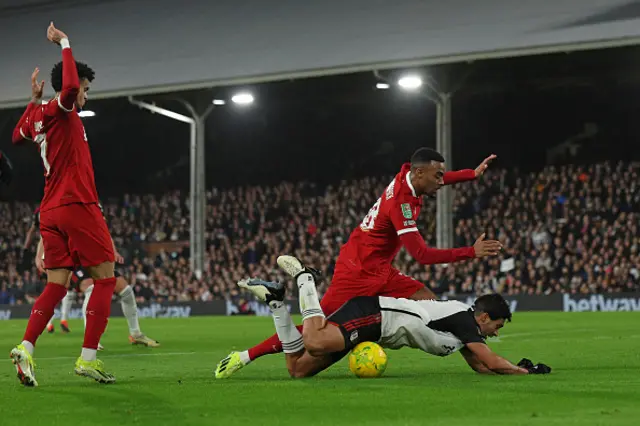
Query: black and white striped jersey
[(436, 327)]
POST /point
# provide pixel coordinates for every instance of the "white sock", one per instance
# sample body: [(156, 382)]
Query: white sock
[(66, 305), (244, 357), (88, 354), (308, 297), (85, 303), (130, 310), (28, 346), (287, 332)]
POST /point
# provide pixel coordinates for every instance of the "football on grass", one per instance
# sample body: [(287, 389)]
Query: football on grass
[(368, 359)]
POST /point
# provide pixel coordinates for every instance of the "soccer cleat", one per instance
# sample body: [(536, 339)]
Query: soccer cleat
[(141, 339), (266, 291), (100, 347), (93, 370), (229, 365), (24, 364), (50, 328), (64, 325), (294, 267)]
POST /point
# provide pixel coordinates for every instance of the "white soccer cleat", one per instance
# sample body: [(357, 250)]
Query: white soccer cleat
[(265, 291), (100, 347), (291, 265), (25, 367)]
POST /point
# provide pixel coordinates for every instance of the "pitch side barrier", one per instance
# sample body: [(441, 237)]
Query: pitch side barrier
[(609, 302)]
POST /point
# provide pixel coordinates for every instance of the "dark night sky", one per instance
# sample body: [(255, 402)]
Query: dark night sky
[(330, 128)]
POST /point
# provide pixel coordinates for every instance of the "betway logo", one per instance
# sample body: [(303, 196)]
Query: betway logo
[(5, 314), (513, 304), (599, 303), (156, 310)]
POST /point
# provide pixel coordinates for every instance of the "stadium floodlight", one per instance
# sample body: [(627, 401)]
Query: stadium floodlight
[(243, 98), (382, 86), (86, 113), (410, 82), (219, 102)]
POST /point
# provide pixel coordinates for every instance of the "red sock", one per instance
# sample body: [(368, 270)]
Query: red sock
[(270, 346), (43, 311), (98, 311)]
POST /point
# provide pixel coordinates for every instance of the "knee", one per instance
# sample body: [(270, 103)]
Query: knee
[(300, 373), (315, 347), (102, 271)]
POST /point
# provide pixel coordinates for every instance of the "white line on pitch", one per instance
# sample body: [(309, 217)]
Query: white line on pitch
[(121, 355)]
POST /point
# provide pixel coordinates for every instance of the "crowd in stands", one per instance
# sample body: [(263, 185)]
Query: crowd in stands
[(566, 229)]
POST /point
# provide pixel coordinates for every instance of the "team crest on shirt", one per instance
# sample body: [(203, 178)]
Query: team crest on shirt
[(406, 211)]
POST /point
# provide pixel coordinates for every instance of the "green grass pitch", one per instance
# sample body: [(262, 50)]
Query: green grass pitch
[(595, 380)]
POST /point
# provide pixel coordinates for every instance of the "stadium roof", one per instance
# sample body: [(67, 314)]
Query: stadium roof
[(144, 46)]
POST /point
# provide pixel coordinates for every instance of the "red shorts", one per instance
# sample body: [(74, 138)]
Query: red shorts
[(75, 235), (347, 284)]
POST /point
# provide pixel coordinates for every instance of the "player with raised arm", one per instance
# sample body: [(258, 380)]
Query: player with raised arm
[(436, 327), (71, 224), (81, 281), (364, 265)]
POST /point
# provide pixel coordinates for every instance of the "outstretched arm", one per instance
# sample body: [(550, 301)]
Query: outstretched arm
[(474, 362), (465, 175), (493, 362)]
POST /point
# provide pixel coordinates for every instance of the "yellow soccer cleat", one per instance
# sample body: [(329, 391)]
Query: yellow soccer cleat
[(24, 364), (229, 365), (93, 370), (143, 340)]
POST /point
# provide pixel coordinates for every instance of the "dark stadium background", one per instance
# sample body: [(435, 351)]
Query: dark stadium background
[(332, 128)]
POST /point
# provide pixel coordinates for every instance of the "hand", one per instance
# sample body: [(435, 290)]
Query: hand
[(525, 363), (40, 264), (484, 165), (36, 88), (539, 369), (54, 35), (485, 248), (119, 258)]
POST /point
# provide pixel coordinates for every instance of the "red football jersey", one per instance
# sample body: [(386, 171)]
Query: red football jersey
[(65, 153), (374, 244)]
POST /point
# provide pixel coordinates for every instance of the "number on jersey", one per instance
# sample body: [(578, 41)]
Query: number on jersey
[(370, 219), (42, 140)]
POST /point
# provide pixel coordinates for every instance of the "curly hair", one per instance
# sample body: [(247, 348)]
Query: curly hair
[(84, 71)]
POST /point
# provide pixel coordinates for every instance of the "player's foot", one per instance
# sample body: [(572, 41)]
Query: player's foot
[(24, 364), (93, 370), (100, 347), (50, 328), (64, 325), (294, 267), (141, 339), (266, 291), (229, 366)]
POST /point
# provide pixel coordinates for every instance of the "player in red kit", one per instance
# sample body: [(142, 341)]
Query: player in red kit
[(71, 224), (363, 267)]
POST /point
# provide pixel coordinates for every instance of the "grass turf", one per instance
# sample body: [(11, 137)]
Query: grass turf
[(595, 379)]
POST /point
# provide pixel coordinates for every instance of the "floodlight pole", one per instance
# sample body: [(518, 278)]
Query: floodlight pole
[(197, 198)]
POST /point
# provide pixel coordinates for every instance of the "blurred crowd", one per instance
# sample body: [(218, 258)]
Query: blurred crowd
[(566, 229)]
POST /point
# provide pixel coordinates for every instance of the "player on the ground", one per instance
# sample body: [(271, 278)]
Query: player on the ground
[(71, 224), (82, 282), (363, 267), (436, 327)]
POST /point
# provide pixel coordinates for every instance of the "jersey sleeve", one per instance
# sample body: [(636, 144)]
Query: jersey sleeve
[(22, 131), (65, 102), (457, 176), (464, 327), (403, 217)]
